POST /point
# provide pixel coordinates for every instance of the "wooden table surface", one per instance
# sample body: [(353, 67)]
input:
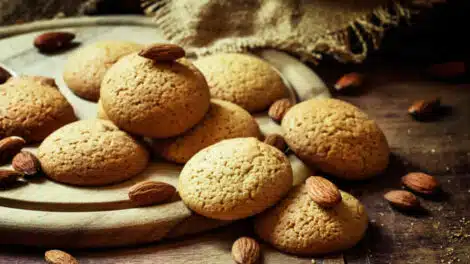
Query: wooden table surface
[(440, 234)]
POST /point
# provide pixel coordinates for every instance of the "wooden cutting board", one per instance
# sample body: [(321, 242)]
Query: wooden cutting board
[(45, 213)]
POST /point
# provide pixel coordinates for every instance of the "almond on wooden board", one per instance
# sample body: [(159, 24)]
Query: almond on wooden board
[(8, 177), (26, 163), (59, 257), (349, 80), (402, 199), (151, 192), (279, 108), (245, 250), (420, 182), (424, 108), (162, 52), (9, 147), (4, 75), (276, 141), (53, 41), (322, 191)]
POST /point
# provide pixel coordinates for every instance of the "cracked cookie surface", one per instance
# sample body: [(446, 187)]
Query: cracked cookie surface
[(86, 67), (242, 79), (224, 120), (32, 107), (91, 152), (336, 137), (234, 179), (298, 225), (154, 99)]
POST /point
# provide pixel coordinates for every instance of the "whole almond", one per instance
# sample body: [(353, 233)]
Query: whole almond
[(276, 141), (323, 192), (4, 75), (26, 163), (53, 41), (162, 52), (151, 192), (350, 80), (59, 257), (402, 199), (9, 147), (424, 108), (245, 250), (420, 182), (8, 177), (279, 108)]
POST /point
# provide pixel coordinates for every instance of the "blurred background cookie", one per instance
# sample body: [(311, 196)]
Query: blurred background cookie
[(223, 121), (235, 178), (154, 99), (91, 152), (300, 226), (86, 67), (336, 137), (32, 107), (101, 114), (242, 79)]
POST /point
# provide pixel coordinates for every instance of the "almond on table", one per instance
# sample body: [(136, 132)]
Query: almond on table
[(349, 80), (9, 146), (151, 192), (26, 163), (245, 250), (402, 199), (420, 182), (53, 41), (276, 141), (279, 108)]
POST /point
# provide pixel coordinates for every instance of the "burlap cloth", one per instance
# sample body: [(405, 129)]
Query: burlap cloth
[(343, 29)]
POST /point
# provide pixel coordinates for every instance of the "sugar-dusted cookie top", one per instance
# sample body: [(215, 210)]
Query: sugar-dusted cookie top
[(336, 137), (298, 225), (242, 79), (32, 107), (91, 152), (86, 67), (235, 178), (224, 120), (154, 99)]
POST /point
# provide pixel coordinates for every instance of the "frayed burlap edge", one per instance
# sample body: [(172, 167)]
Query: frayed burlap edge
[(367, 32)]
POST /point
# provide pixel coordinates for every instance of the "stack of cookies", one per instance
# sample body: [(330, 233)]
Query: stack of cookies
[(199, 114)]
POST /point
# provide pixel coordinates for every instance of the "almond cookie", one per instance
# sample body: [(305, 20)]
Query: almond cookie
[(101, 114), (91, 152), (298, 225), (32, 107), (154, 99), (85, 68), (223, 121), (234, 179), (242, 79), (336, 137)]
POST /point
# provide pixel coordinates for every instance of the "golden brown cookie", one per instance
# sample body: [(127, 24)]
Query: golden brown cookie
[(242, 79), (91, 152), (101, 114), (234, 179), (298, 225), (85, 68), (154, 99), (223, 121), (336, 137), (32, 107)]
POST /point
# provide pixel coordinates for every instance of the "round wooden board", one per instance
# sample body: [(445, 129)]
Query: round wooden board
[(45, 213)]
